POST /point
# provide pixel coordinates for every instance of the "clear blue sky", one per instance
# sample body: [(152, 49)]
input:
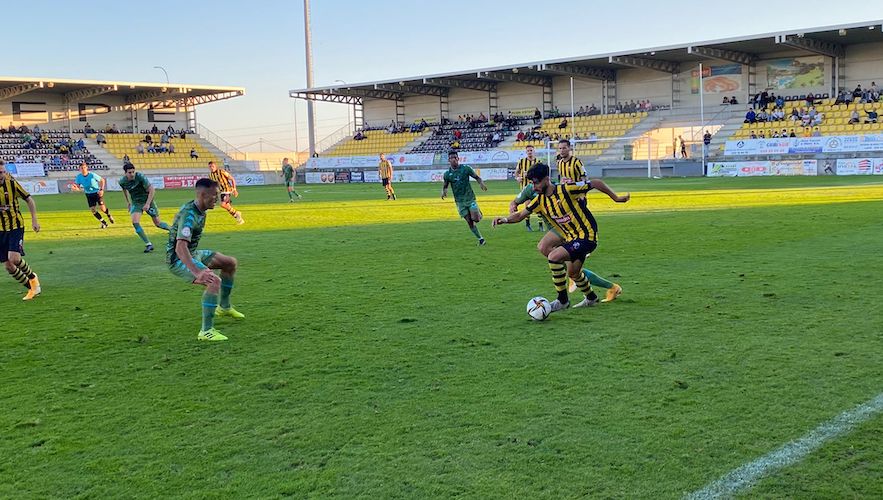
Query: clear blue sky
[(259, 44)]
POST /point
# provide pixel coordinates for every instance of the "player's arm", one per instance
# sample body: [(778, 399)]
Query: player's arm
[(199, 276), (32, 207), (445, 189), (128, 202), (76, 186), (151, 191), (232, 183), (476, 177), (512, 218), (604, 188), (102, 184)]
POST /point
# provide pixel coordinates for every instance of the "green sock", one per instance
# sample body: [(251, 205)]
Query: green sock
[(597, 280), (475, 231), (141, 234), (209, 304), (226, 290), (163, 225), (290, 195)]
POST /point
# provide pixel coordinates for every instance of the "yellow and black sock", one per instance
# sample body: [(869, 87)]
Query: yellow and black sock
[(97, 215), (559, 279), (583, 283), (26, 269), (19, 276), (230, 210)]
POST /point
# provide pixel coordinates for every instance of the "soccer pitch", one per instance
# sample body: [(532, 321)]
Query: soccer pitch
[(385, 355)]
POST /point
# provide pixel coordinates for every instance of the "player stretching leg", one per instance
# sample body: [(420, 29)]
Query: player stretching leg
[(553, 239), (93, 185), (227, 185), (458, 178), (288, 175), (562, 207), (12, 232), (195, 266), (142, 192), (384, 169)]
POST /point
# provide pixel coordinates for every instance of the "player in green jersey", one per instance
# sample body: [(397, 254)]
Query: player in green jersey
[(195, 266), (458, 178), (553, 239), (139, 199), (288, 175)]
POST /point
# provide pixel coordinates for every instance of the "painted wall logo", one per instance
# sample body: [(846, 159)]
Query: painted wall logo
[(833, 143)]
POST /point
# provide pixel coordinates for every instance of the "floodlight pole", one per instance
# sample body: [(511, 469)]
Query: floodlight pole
[(702, 115), (572, 124), (311, 123)]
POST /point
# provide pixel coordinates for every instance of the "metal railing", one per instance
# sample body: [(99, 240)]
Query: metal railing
[(219, 142), (333, 138)]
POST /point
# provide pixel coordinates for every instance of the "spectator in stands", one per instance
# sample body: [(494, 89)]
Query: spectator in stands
[(582, 111), (592, 137), (810, 99), (183, 134), (171, 149), (726, 100), (165, 138), (778, 114), (780, 102), (775, 134), (114, 129), (853, 117), (126, 159), (818, 118), (857, 93), (816, 132), (520, 136), (148, 138), (154, 129), (458, 135), (88, 129), (792, 134), (81, 145), (151, 148), (795, 115), (107, 128), (140, 148), (359, 136), (100, 139), (683, 147), (762, 116), (563, 124), (872, 116), (193, 155), (593, 110), (170, 130), (750, 116), (733, 100), (706, 140), (537, 116)]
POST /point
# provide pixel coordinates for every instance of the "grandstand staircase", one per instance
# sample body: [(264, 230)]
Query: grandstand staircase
[(112, 162), (614, 151), (217, 151), (723, 135)]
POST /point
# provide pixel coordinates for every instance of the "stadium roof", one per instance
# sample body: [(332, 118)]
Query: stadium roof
[(135, 94), (829, 41)]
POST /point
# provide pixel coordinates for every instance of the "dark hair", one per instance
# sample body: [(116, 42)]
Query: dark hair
[(453, 153), (205, 183), (561, 141), (128, 166), (538, 172)]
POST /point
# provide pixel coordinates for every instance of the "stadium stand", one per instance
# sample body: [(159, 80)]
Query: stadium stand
[(375, 142), (121, 145), (55, 149), (471, 137), (835, 119), (602, 126)]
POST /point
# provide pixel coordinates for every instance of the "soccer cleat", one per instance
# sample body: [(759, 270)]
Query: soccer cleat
[(233, 313), (211, 335), (103, 224), (148, 248), (481, 242), (587, 302), (557, 305), (291, 200), (34, 289), (238, 217), (612, 293), (393, 197), (110, 218)]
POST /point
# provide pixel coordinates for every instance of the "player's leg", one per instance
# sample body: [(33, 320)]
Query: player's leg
[(92, 201), (153, 212), (472, 217), (227, 265), (290, 190), (209, 306), (136, 223), (105, 210), (579, 251), (12, 248), (558, 258), (390, 190)]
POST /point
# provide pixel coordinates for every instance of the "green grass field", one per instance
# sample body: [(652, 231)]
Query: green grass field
[(385, 355)]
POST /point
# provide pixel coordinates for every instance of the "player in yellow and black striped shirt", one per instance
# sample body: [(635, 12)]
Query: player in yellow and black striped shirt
[(12, 232), (384, 170), (570, 168), (226, 187), (566, 209), (521, 169)]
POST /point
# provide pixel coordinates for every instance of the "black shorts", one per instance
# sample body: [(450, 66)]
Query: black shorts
[(225, 197), (580, 249), (385, 182), (94, 199), (11, 241)]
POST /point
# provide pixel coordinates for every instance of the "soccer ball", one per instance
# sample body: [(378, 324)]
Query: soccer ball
[(538, 308)]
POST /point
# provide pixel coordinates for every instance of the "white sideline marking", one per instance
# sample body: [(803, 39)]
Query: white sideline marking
[(744, 477)]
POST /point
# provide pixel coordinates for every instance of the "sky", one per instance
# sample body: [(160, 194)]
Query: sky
[(259, 44)]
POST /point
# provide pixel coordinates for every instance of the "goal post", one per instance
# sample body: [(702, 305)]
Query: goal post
[(641, 148)]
